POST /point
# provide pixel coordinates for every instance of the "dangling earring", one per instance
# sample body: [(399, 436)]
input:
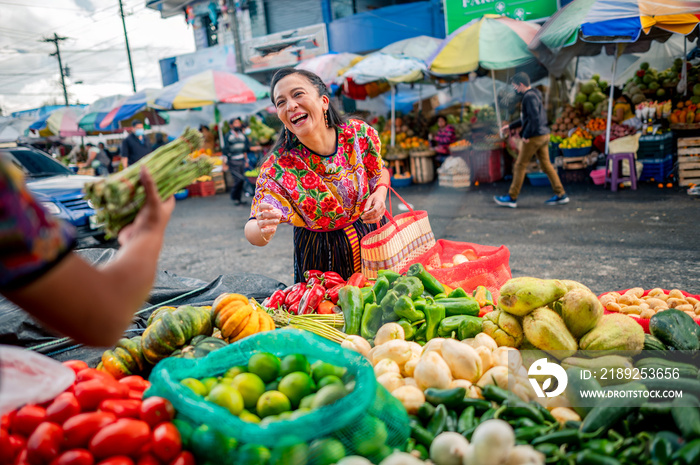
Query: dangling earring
[(325, 117), (284, 135)]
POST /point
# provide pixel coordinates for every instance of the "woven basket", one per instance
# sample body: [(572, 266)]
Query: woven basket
[(403, 239)]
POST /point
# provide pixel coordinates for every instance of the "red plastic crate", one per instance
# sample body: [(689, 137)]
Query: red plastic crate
[(202, 189), (486, 165)]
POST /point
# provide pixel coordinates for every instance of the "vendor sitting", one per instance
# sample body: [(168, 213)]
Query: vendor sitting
[(445, 136), (623, 110)]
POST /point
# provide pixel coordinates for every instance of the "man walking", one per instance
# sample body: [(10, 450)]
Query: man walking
[(535, 141), (136, 145)]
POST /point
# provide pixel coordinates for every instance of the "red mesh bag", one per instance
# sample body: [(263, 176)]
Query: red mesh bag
[(491, 269), (643, 321)]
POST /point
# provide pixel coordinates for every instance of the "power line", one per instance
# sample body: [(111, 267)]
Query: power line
[(56, 39), (43, 7)]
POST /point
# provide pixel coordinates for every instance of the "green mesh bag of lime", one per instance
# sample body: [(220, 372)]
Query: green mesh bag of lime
[(281, 397)]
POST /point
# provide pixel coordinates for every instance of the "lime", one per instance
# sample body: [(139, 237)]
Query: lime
[(251, 388), (284, 416), (252, 454), (273, 403), (369, 436), (235, 371), (207, 443), (322, 369), (185, 429), (265, 365), (307, 401), (300, 412), (290, 452), (272, 386), (249, 417), (195, 385), (227, 397), (294, 362), (330, 379), (328, 394), (209, 383), (295, 386), (326, 451)]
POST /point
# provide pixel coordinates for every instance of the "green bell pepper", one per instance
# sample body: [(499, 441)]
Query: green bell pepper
[(404, 309), (391, 276), (457, 293), (420, 333), (371, 321), (408, 329), (431, 284), (381, 287), (440, 296), (368, 296), (419, 304), (450, 325), (469, 327), (460, 306), (350, 300), (387, 305), (434, 314), (409, 286)]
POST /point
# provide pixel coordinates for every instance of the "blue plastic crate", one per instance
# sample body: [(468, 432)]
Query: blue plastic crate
[(657, 169), (651, 146), (580, 152), (538, 179), (401, 182)]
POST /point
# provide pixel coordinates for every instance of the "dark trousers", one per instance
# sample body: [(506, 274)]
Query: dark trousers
[(237, 168)]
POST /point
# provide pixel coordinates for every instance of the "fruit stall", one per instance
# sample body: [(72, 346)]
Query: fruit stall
[(431, 363)]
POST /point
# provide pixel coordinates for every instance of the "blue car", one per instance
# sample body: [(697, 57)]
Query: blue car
[(57, 188)]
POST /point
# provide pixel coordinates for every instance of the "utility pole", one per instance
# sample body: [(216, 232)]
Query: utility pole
[(128, 51), (56, 39), (236, 37)]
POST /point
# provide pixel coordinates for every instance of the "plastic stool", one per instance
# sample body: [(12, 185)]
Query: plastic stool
[(614, 177)]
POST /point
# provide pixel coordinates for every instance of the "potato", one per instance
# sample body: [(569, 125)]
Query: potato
[(432, 371), (409, 367), (461, 383), (486, 357), (692, 300), (508, 357), (613, 307), (628, 300), (389, 332), (464, 361), (638, 292), (433, 345), (386, 366), (397, 350), (483, 339), (631, 309), (676, 293), (497, 375), (411, 397), (674, 302), (416, 348), (391, 381), (656, 304), (647, 314), (562, 415), (358, 344)]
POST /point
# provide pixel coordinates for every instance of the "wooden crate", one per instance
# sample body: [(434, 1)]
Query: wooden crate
[(688, 161), (219, 182), (576, 163)]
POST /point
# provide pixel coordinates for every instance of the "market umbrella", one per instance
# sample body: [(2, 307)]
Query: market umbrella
[(210, 88), (491, 42), (421, 47), (380, 66), (586, 27), (129, 106), (61, 122), (327, 66)]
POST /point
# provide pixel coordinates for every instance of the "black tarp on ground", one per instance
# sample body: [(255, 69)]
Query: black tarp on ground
[(20, 329)]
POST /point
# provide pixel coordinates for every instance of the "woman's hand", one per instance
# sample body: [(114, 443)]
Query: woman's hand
[(268, 218), (375, 207), (153, 216)]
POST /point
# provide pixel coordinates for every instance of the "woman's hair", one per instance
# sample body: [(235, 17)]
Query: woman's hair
[(617, 93), (288, 140), (441, 117)]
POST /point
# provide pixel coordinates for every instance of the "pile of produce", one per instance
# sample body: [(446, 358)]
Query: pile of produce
[(260, 132), (485, 114), (579, 139), (685, 113), (465, 256), (590, 95), (96, 420), (648, 81), (596, 124), (268, 389), (621, 130), (318, 294), (413, 143), (571, 118), (460, 144), (637, 303), (120, 196)]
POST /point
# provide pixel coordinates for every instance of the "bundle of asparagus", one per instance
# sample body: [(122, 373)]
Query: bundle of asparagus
[(119, 197)]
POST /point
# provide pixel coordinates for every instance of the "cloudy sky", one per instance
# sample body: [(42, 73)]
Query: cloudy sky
[(95, 50)]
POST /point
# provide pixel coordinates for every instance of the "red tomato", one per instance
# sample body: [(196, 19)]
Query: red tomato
[(122, 408), (62, 408), (21, 458), (90, 373), (125, 437), (135, 383), (6, 420), (156, 410), (81, 428), (17, 444), (183, 458), (27, 419), (74, 457), (45, 443), (117, 460), (166, 442), (135, 395), (147, 459), (75, 365), (91, 393), (5, 447)]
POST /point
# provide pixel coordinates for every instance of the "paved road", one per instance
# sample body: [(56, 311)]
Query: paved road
[(608, 241)]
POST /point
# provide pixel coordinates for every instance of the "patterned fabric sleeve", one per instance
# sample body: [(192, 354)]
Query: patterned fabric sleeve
[(370, 146), (31, 240), (267, 190)]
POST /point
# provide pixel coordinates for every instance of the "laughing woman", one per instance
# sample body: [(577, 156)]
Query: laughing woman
[(324, 176)]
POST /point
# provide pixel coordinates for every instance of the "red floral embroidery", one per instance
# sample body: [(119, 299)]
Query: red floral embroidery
[(339, 210), (289, 181), (272, 172), (299, 164), (309, 181), (342, 138), (286, 162), (323, 222), (295, 195), (315, 159), (364, 145), (328, 204), (370, 162), (308, 206), (320, 169)]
